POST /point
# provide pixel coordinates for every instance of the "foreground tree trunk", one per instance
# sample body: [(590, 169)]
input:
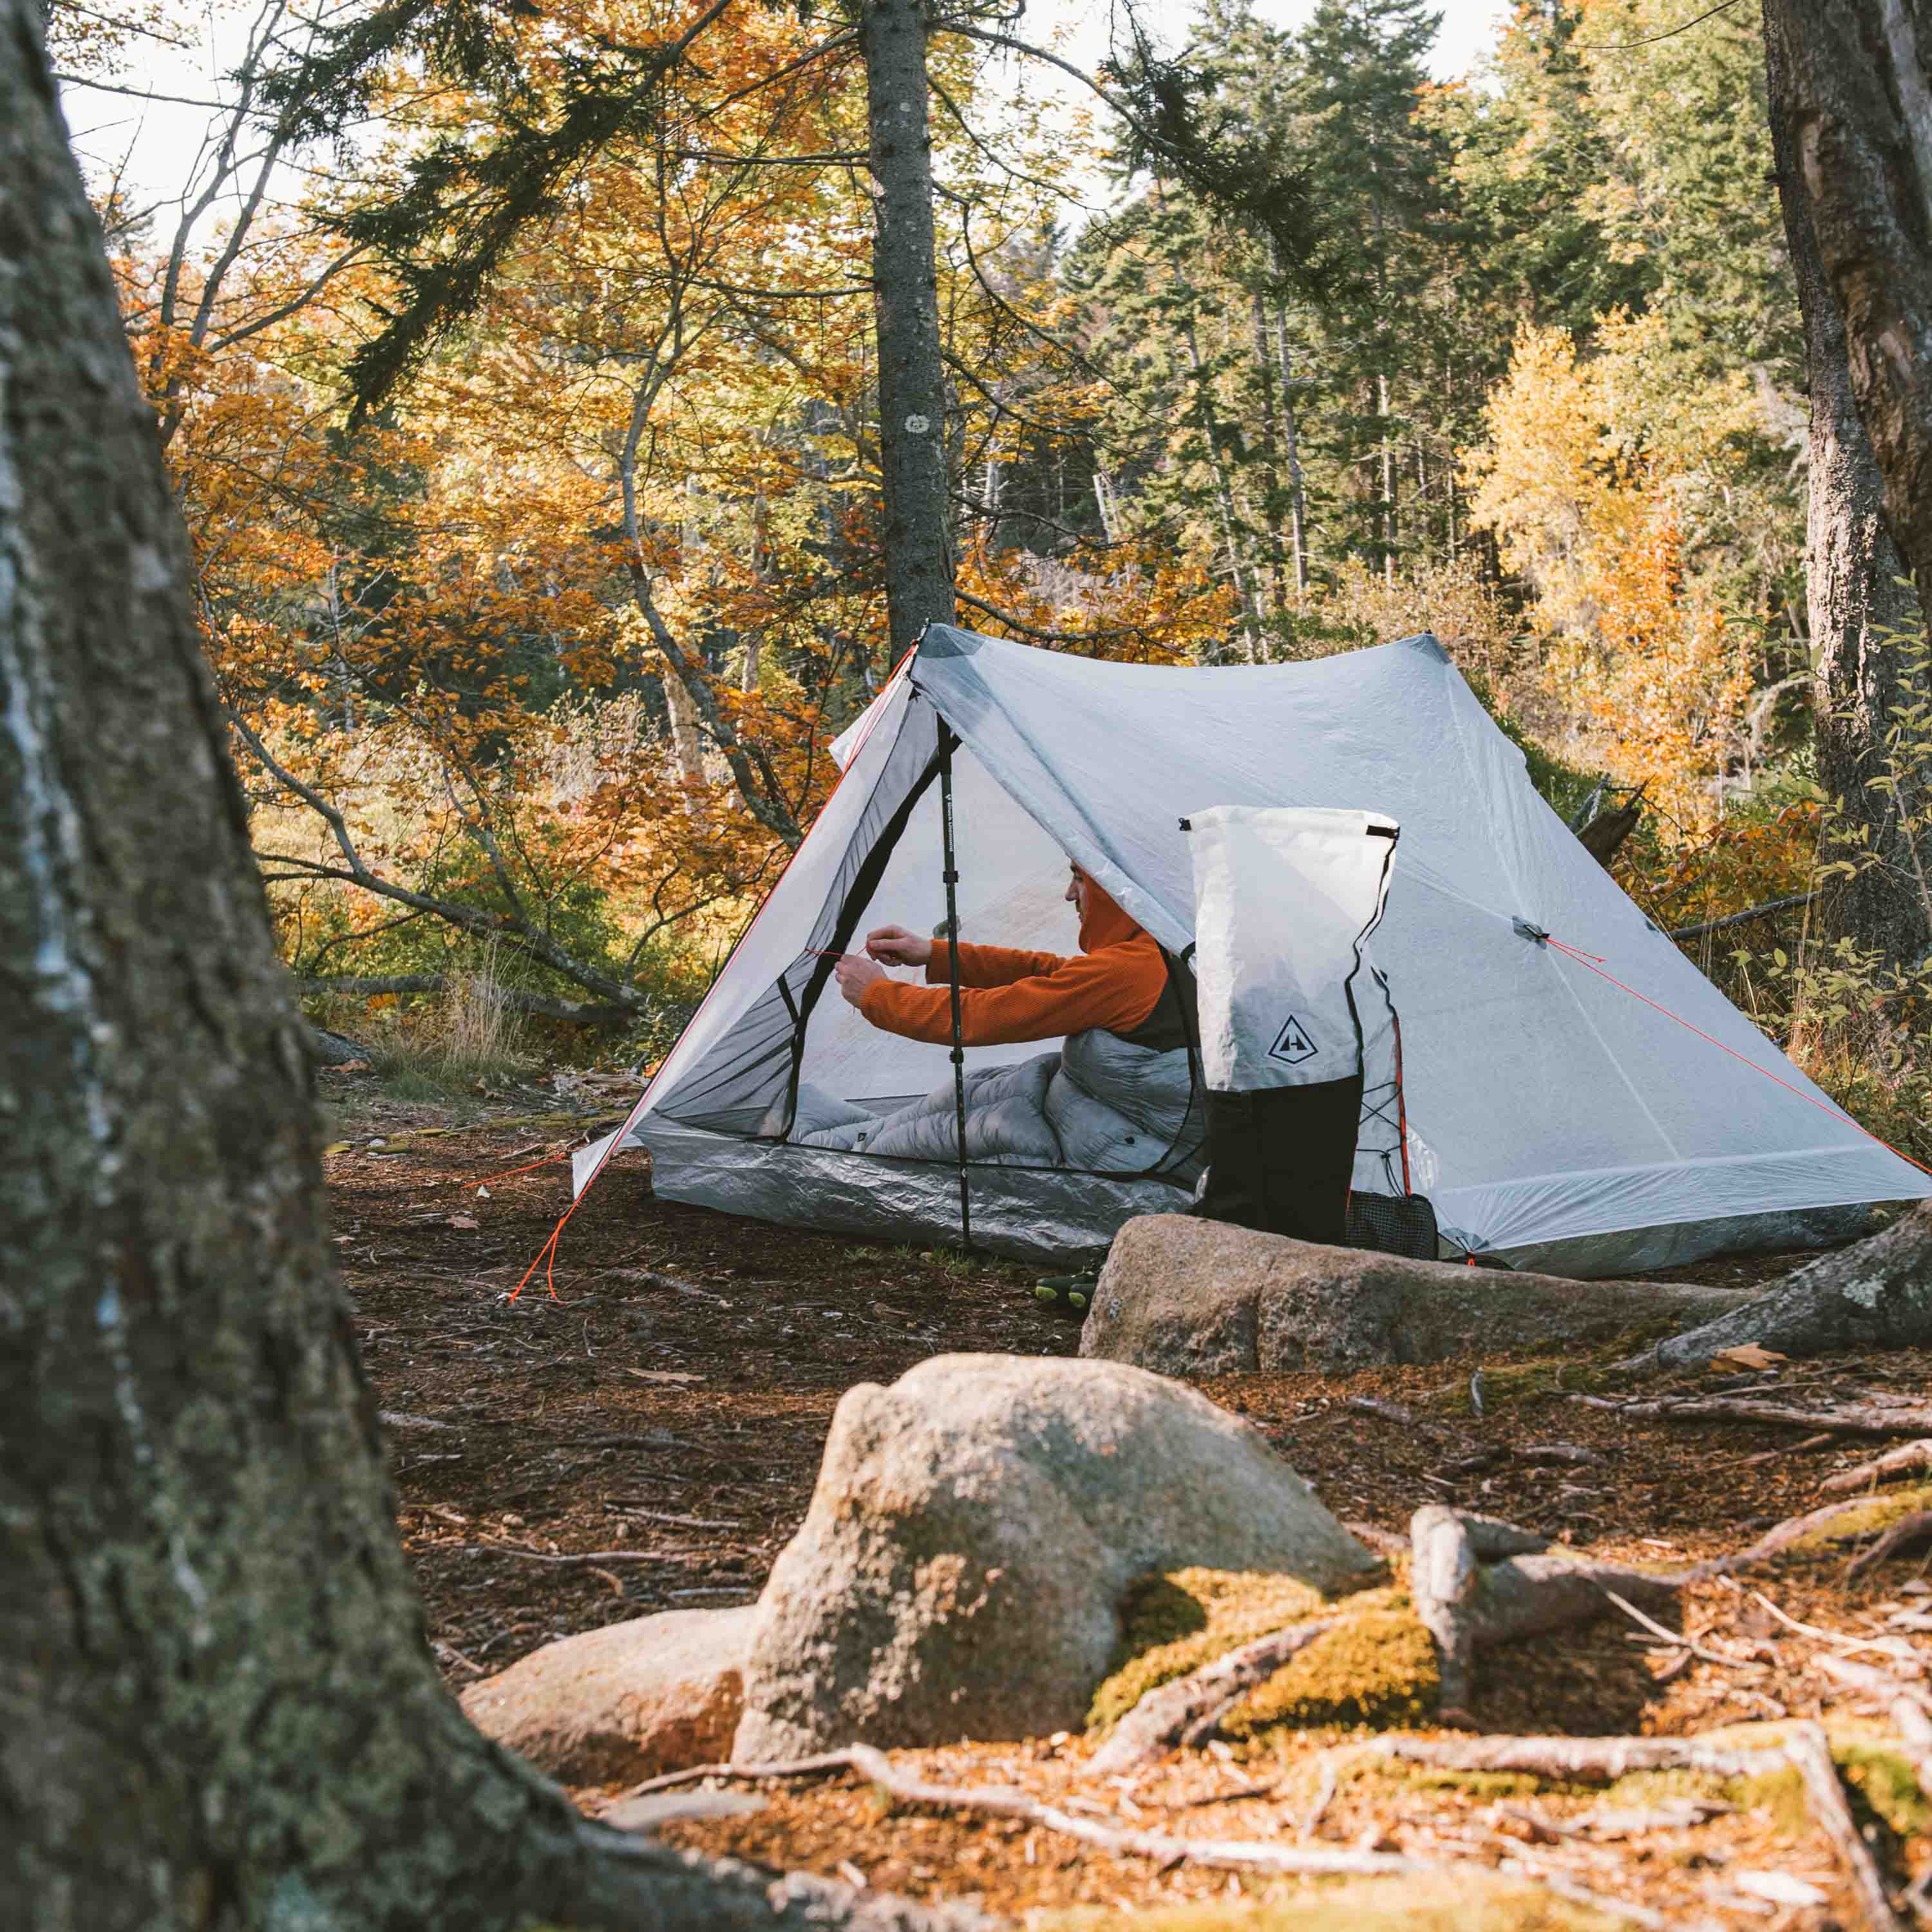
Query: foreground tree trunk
[(912, 372), (1851, 130), (217, 1709)]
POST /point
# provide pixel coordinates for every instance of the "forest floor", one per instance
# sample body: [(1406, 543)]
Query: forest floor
[(661, 1421)]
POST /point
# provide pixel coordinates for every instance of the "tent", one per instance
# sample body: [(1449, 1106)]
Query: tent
[(1579, 1097)]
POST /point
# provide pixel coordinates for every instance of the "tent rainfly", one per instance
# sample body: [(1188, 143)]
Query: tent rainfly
[(1579, 1098)]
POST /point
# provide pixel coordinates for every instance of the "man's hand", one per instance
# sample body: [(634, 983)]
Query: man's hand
[(898, 947), (854, 975)]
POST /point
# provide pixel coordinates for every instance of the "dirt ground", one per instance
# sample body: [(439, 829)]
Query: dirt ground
[(648, 1440)]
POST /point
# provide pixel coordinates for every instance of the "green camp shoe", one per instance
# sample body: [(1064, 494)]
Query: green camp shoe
[(1067, 1294)]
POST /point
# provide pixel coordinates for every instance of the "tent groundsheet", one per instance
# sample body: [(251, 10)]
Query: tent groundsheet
[(1579, 1098)]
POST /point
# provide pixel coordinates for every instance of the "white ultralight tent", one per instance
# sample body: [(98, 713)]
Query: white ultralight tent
[(1557, 1119)]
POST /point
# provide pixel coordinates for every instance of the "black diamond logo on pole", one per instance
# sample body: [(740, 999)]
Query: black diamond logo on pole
[(1292, 1043)]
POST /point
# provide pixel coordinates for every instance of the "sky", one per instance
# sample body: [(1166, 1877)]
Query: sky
[(153, 142)]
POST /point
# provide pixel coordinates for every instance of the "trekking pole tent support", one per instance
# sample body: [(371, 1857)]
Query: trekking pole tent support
[(949, 860)]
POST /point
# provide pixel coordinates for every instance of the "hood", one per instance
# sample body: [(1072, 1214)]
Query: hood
[(1103, 923)]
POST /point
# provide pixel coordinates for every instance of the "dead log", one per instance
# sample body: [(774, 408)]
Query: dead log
[(1894, 1462), (1185, 1711), (1876, 1294)]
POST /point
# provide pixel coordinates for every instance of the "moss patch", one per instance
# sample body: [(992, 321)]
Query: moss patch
[(1875, 1514), (1378, 1667), (1458, 1902), (1173, 1623), (1884, 1780), (1515, 1384)]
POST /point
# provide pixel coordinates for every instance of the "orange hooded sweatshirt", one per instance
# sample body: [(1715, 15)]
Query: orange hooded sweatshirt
[(1115, 981)]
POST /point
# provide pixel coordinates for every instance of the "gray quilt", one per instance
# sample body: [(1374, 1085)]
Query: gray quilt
[(1098, 1104)]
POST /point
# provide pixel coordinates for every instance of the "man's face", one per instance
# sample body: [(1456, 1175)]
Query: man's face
[(1077, 884)]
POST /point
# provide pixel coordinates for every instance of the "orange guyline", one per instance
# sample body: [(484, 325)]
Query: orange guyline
[(1115, 982)]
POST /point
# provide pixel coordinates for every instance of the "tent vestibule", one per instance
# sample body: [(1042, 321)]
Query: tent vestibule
[(1555, 1119)]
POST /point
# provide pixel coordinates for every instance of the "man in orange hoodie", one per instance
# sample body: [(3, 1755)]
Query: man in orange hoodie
[(1117, 981)]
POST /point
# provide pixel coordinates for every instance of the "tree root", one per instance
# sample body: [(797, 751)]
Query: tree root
[(1604, 1760), (1872, 1294), (1478, 1583), (1908, 1530), (1231, 1854), (1872, 1421), (1187, 1710), (1894, 1462)]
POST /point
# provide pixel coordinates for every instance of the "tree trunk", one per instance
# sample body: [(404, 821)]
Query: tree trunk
[(1224, 495), (1298, 500), (1389, 534), (1858, 604), (1271, 462), (912, 376), (1876, 1294), (217, 1709)]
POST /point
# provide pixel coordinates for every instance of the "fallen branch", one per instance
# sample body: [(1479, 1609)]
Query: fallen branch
[(575, 1013), (1187, 1710), (1894, 1462), (1785, 904)]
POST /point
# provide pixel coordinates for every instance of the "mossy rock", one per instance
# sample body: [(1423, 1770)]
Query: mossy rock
[(1431, 1902), (1172, 1623)]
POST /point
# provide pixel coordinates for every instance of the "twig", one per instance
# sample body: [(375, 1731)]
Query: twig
[(588, 1559), (1907, 1455), (1681, 1642)]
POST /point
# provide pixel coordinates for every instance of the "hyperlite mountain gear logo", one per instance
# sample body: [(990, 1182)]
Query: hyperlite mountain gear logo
[(1292, 1044)]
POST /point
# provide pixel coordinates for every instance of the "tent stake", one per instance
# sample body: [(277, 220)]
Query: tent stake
[(946, 742)]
